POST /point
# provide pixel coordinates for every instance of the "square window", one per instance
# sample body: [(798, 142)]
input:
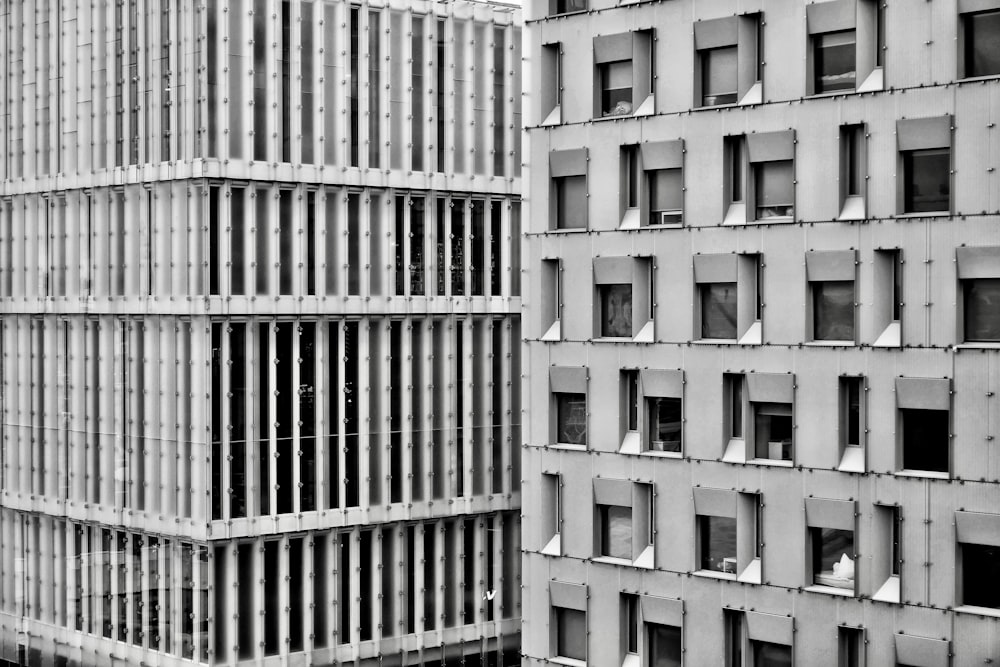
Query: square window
[(616, 88), (772, 431), (664, 424), (833, 557), (927, 180), (982, 43), (616, 310), (719, 78), (980, 575), (666, 197), (571, 419), (925, 439), (833, 310), (664, 645), (571, 633), (775, 189), (717, 544), (835, 61), (615, 528), (571, 202), (981, 309), (718, 310), (767, 654)]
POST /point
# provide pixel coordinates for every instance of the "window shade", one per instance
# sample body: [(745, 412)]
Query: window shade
[(568, 163), (568, 379), (981, 262), (921, 651), (919, 133), (824, 265), (721, 268), (662, 383), (775, 184), (968, 6), (831, 16), (978, 528), (769, 628), (771, 146), (715, 33), (662, 154), (609, 48), (770, 387), (568, 596), (613, 270), (923, 393), (613, 492), (667, 190), (665, 611), (715, 502), (827, 513)]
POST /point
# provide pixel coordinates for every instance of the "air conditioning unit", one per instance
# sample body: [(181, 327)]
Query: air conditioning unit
[(657, 445), (668, 217)]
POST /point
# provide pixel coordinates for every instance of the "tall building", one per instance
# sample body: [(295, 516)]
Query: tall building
[(762, 327), (260, 333)]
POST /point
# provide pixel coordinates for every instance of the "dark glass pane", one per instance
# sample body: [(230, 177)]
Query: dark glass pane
[(981, 575), (982, 44), (616, 88), (832, 549), (773, 431), (631, 156), (665, 196), (616, 310), (665, 424), (664, 645), (835, 61), (718, 311), (718, 76), (982, 309), (766, 654), (616, 531), (718, 543), (925, 440), (852, 410), (632, 381), (833, 310), (571, 202), (571, 633), (736, 427), (566, 6), (632, 622), (571, 418), (775, 189), (926, 180)]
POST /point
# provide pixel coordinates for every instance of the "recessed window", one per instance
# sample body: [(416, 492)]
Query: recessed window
[(568, 169), (717, 544), (980, 575), (760, 177), (718, 310), (925, 439), (550, 71), (567, 6), (631, 174), (772, 431), (615, 526), (550, 299), (616, 88), (768, 654), (981, 309), (630, 613), (851, 646), (624, 71), (833, 310), (982, 43), (775, 191), (718, 76), (616, 310), (833, 557), (851, 391), (571, 633), (551, 501), (733, 388), (652, 411), (652, 184), (854, 170), (927, 180), (571, 419), (759, 417), (665, 197), (664, 424), (834, 61), (664, 645)]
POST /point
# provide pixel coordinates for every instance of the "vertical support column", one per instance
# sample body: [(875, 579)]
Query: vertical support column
[(171, 429), (200, 432)]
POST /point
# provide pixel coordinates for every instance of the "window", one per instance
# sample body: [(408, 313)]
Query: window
[(728, 304), (834, 66), (616, 310), (727, 61), (652, 184), (569, 404), (571, 633), (717, 544), (718, 310), (665, 647), (624, 74), (980, 38), (769, 654), (550, 299), (754, 639), (652, 411), (852, 424), (888, 297), (567, 6), (831, 284), (551, 502), (925, 163), (773, 431), (623, 516), (832, 557), (728, 529), (759, 420), (851, 646), (551, 84), (887, 552), (623, 298), (769, 193), (664, 424), (924, 421), (630, 616), (978, 535), (981, 309), (569, 189), (853, 172), (735, 637), (845, 53)]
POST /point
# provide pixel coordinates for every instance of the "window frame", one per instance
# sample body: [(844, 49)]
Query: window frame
[(638, 499), (559, 622), (637, 48), (638, 273), (967, 287), (568, 169), (966, 34), (638, 389), (747, 161), (818, 54), (561, 404), (817, 542), (742, 411), (744, 33), (852, 454), (853, 188)]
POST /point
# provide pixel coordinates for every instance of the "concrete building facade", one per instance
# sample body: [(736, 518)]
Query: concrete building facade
[(761, 327), (260, 332)]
